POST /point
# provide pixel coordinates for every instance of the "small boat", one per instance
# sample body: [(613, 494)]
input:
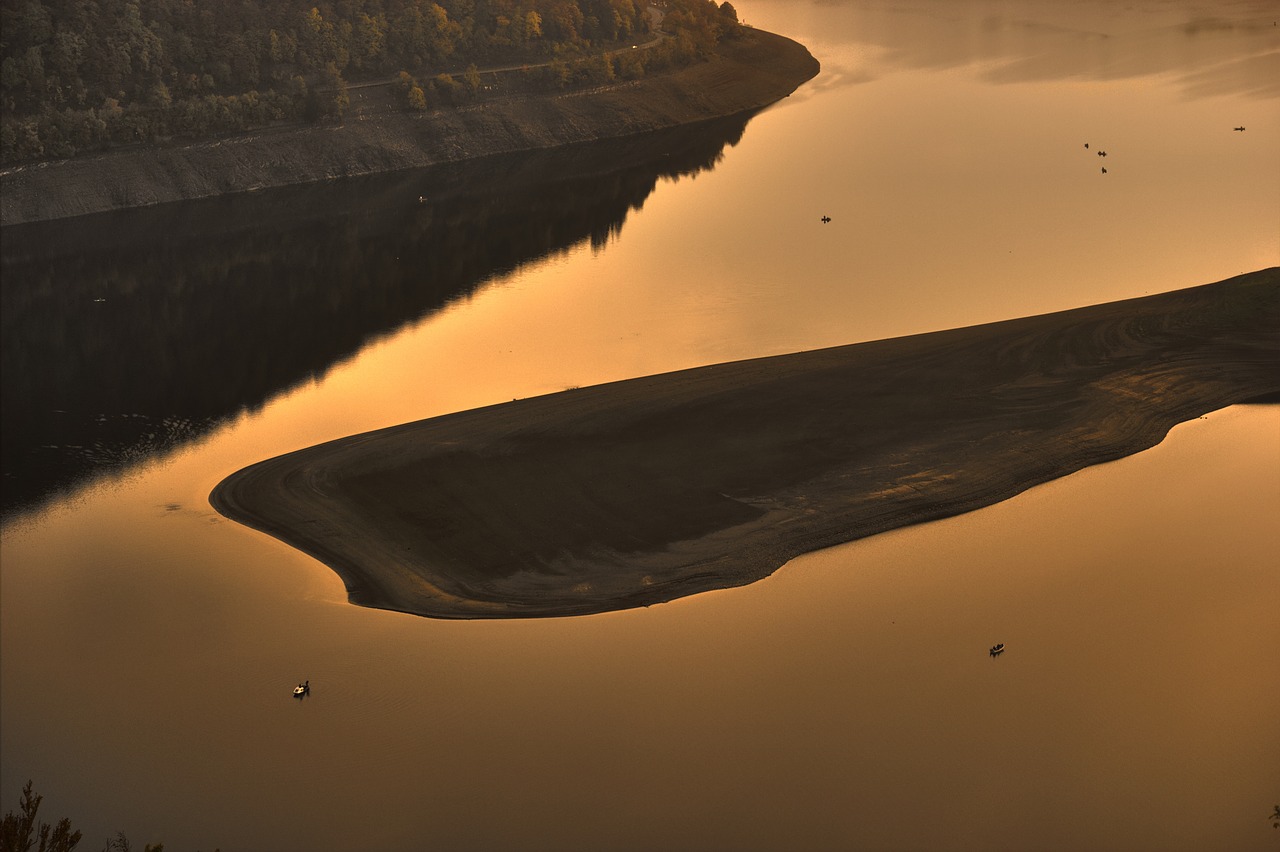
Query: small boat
[(997, 650), (302, 689)]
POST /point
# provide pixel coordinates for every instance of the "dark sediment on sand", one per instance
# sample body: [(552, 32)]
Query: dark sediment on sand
[(641, 491)]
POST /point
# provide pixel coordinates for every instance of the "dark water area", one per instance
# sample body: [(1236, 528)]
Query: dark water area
[(129, 334)]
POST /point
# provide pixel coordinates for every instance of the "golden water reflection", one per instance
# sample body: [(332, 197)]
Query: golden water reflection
[(1207, 47), (825, 707), (147, 647)]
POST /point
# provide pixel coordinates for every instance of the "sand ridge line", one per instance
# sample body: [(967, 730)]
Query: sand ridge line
[(644, 490)]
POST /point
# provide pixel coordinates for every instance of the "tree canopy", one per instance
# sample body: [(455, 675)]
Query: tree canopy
[(80, 75)]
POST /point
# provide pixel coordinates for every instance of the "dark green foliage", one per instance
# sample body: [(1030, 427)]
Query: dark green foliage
[(701, 22), (447, 90), (81, 75), (120, 843), (22, 832), (332, 92), (412, 95)]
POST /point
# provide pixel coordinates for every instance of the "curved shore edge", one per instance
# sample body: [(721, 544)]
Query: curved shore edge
[(641, 491), (746, 74)]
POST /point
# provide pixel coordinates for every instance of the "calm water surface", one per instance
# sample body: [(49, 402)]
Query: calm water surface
[(147, 646)]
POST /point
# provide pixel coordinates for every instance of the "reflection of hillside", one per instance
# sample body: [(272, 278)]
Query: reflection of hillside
[(126, 335)]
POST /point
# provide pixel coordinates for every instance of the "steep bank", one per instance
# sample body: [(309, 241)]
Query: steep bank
[(642, 491), (747, 74)]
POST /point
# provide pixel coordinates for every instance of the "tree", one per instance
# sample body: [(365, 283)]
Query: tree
[(443, 34), (158, 95), (76, 75), (335, 98), (369, 36), (532, 26), (22, 833), (19, 832), (559, 73), (597, 69), (445, 88), (728, 14), (472, 78), (120, 843), (631, 64)]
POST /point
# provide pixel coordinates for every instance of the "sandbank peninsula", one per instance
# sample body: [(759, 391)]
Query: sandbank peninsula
[(641, 491)]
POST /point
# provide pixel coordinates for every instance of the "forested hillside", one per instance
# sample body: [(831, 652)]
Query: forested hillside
[(82, 75)]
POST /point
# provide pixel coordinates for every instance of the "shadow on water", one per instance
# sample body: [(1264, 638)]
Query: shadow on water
[(127, 335)]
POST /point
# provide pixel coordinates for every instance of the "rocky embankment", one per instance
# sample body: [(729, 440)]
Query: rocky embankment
[(748, 73)]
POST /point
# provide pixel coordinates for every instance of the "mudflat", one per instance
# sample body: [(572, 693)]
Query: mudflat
[(642, 491)]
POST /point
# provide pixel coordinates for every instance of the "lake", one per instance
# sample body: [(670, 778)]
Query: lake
[(148, 646)]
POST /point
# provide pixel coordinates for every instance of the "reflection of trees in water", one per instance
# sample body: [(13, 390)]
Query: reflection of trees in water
[(128, 334)]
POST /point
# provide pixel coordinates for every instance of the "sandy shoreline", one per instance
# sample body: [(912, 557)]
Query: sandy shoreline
[(641, 491)]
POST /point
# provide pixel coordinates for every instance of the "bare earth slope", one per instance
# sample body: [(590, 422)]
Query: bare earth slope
[(747, 74), (641, 491)]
